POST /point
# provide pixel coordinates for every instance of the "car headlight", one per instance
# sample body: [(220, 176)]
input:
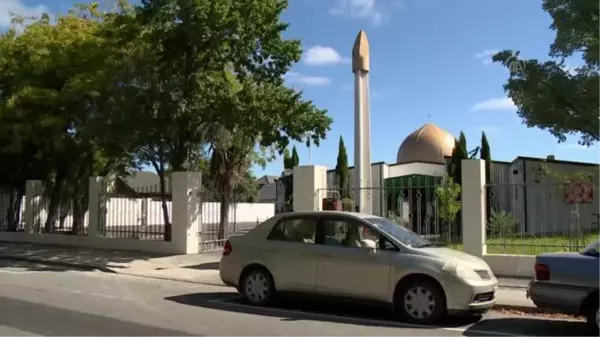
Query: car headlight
[(462, 272)]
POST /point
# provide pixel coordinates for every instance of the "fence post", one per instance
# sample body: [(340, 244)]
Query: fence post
[(186, 210), (31, 207), (309, 181), (96, 205), (473, 206)]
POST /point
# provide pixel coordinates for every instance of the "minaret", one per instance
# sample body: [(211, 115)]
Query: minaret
[(362, 124)]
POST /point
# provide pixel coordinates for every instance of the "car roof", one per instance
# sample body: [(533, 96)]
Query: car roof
[(351, 214)]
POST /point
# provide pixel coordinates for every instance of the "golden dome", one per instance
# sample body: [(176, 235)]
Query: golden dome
[(428, 144)]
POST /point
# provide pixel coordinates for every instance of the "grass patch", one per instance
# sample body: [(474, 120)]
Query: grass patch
[(530, 245)]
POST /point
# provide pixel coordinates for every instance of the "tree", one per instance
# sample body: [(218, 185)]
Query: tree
[(255, 113), (179, 62), (547, 94), (487, 156), (341, 169), (449, 204), (295, 158), (56, 84), (287, 160)]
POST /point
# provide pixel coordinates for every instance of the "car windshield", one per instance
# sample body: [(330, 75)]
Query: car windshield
[(400, 233)]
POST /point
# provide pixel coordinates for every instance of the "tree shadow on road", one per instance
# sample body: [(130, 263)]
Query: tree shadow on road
[(294, 308), (530, 326), (205, 266)]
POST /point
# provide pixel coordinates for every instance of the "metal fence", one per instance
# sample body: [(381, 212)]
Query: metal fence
[(11, 210), (223, 216), (541, 217), (143, 213), (415, 206)]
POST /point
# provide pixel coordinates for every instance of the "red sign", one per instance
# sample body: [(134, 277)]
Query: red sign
[(579, 193)]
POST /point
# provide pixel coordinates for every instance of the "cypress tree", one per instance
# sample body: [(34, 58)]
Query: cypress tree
[(341, 168), (295, 158), (487, 156), (287, 160)]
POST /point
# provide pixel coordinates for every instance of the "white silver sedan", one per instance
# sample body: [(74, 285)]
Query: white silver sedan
[(358, 256)]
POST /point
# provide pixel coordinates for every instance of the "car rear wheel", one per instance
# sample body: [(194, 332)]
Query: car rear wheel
[(257, 287), (593, 318), (420, 301)]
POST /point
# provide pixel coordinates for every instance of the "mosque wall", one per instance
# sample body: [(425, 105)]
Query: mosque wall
[(425, 169)]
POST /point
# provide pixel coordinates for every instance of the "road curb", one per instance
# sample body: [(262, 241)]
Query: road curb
[(80, 266)]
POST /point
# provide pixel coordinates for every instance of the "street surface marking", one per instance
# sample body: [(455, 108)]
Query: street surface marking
[(16, 272), (360, 320)]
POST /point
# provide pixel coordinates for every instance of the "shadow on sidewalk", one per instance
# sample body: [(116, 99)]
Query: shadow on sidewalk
[(205, 266), (71, 257), (294, 308)]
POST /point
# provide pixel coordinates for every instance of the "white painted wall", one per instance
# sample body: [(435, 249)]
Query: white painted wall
[(436, 170), (128, 212)]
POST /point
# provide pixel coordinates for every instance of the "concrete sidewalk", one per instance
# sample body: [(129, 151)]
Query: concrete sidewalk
[(197, 268)]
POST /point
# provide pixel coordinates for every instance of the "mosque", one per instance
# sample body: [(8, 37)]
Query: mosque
[(407, 187)]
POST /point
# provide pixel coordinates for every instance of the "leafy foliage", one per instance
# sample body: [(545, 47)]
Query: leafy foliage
[(550, 96), (502, 224), (448, 194), (175, 84)]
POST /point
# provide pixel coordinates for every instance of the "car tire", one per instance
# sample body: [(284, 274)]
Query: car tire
[(593, 318), (257, 286), (420, 301)]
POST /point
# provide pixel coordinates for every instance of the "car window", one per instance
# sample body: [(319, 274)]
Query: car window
[(295, 230), (349, 233)]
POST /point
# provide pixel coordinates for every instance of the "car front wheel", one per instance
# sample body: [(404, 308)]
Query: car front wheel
[(593, 318), (257, 287), (420, 301)]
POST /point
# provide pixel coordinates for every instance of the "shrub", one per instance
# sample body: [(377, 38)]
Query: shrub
[(347, 205), (502, 223)]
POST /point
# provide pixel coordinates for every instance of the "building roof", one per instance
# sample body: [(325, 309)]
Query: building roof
[(428, 144), (266, 180)]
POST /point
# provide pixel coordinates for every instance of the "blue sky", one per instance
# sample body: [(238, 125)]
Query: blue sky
[(429, 63)]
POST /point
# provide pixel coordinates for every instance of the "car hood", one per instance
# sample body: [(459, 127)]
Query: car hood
[(456, 257)]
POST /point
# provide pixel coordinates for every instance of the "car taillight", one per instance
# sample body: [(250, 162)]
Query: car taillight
[(542, 272), (227, 248)]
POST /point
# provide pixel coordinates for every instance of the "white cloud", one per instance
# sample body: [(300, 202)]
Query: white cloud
[(570, 69), (359, 9), (294, 77), (8, 7), (504, 103), (572, 146), (486, 56), (375, 94), (322, 55)]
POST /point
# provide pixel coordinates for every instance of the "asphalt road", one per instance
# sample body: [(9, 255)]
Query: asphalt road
[(52, 301)]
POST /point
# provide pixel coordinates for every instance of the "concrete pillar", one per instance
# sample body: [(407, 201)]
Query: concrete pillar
[(473, 206), (33, 195), (310, 187), (186, 209), (98, 199)]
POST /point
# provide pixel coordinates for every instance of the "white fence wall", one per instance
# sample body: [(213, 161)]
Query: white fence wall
[(129, 212)]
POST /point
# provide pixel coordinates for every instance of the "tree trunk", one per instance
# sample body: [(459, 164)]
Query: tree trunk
[(13, 214), (80, 206), (164, 198), (224, 215), (55, 197)]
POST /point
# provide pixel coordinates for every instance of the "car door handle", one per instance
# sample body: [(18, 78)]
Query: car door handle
[(272, 250), (327, 255)]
